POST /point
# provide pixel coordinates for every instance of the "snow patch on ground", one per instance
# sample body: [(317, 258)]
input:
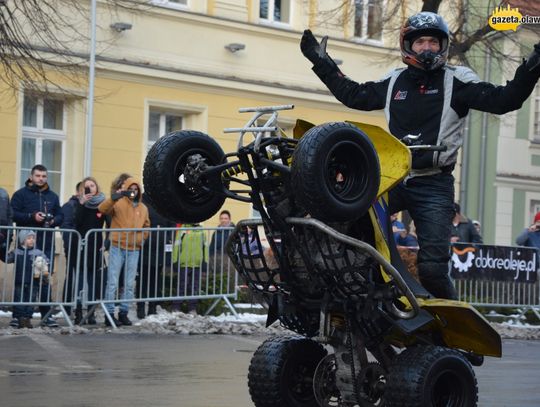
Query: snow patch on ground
[(178, 323)]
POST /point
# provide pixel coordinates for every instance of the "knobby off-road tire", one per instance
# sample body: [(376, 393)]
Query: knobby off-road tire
[(282, 370), (163, 167), (431, 376), (335, 173)]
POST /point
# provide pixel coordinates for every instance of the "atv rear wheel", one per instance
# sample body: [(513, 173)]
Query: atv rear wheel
[(282, 370), (431, 376), (335, 172), (165, 181)]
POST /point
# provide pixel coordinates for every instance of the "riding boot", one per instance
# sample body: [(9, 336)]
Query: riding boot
[(441, 287)]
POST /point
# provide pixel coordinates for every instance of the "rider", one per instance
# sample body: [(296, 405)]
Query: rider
[(431, 100)]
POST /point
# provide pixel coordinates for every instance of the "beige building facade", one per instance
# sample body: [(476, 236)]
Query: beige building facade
[(188, 64)]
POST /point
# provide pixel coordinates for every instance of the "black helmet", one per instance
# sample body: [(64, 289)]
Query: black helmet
[(419, 25)]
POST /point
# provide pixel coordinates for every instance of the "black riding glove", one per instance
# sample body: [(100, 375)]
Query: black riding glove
[(533, 62), (315, 51), (311, 48)]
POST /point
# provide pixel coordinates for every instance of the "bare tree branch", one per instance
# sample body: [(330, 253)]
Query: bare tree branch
[(38, 39)]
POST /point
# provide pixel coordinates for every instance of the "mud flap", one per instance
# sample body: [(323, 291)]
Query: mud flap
[(463, 327)]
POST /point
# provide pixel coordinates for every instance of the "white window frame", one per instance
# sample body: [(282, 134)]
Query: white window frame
[(39, 133), (270, 20), (163, 113), (167, 3), (195, 117), (365, 18)]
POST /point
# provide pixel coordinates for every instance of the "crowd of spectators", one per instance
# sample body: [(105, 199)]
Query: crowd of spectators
[(120, 264)]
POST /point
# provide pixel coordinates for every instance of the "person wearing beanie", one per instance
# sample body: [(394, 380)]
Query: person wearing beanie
[(530, 236), (430, 99), (31, 277)]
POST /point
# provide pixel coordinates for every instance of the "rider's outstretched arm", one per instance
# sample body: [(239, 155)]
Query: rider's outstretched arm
[(486, 97), (365, 96)]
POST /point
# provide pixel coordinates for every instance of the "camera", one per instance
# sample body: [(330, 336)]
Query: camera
[(129, 194), (47, 219), (87, 190)]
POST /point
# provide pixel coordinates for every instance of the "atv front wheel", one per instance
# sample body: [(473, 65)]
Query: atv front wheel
[(431, 376), (165, 182), (335, 173), (282, 370)]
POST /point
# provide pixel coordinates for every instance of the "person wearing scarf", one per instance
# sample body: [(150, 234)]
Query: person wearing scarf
[(87, 216)]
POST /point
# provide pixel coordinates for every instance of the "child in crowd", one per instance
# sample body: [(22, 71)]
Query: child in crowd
[(31, 276)]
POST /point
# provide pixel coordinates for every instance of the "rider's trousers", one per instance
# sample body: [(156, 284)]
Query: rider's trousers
[(429, 200)]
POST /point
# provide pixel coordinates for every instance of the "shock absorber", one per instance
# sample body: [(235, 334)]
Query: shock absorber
[(231, 172)]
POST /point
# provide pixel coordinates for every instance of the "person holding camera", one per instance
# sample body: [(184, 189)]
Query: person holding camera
[(126, 211), (86, 217), (36, 206), (530, 236)]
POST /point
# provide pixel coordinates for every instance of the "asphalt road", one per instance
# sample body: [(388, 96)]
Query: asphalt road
[(125, 369)]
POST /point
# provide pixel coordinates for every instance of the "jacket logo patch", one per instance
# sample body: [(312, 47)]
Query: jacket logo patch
[(431, 91), (400, 95)]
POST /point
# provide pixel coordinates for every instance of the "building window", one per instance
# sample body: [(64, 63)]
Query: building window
[(536, 124), (161, 123), (368, 19), (171, 3), (43, 138), (275, 11)]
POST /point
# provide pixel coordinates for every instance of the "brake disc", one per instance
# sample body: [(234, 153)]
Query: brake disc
[(324, 383), (371, 383)]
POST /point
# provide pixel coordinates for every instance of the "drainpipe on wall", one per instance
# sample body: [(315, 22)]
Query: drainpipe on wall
[(464, 174), (483, 146), (90, 101), (483, 141)]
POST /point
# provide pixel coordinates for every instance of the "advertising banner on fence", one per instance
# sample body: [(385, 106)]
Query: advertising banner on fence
[(499, 263)]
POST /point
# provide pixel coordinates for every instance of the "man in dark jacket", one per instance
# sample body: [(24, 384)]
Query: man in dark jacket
[(36, 206), (430, 100), (5, 220), (220, 264), (463, 230)]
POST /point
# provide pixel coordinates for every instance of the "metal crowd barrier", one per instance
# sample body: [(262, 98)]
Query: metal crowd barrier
[(169, 268), (497, 276), (173, 265), (43, 279), (501, 294)]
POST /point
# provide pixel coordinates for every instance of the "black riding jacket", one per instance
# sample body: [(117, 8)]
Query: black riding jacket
[(433, 105)]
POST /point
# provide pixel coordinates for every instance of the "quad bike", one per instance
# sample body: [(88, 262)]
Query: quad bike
[(322, 258)]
